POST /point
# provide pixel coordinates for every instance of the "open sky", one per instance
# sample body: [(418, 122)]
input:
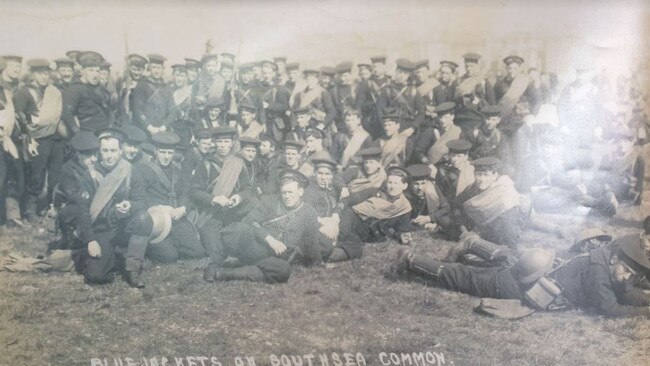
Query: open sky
[(318, 31)]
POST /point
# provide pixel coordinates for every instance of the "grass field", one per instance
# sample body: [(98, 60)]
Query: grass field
[(352, 308)]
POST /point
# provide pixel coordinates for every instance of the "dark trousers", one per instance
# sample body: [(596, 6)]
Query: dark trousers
[(183, 242), (239, 241), (48, 164), (492, 282), (100, 270), (12, 182), (353, 232)]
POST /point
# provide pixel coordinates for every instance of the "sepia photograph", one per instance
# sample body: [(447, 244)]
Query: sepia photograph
[(324, 182)]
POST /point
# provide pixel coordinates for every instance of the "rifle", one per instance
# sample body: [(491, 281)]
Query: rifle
[(232, 108)]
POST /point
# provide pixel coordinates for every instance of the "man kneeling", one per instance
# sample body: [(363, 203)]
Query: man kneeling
[(279, 231)]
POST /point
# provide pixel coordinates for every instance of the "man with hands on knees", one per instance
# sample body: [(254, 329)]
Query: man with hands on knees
[(280, 230)]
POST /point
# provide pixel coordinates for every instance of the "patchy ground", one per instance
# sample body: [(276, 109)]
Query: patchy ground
[(56, 319)]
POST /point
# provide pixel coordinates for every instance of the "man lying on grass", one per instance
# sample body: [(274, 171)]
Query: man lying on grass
[(602, 279)]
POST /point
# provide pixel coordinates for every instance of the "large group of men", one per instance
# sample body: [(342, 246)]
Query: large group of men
[(262, 165)]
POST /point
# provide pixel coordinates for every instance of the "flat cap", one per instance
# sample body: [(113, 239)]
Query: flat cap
[(63, 62), (147, 148), (419, 171), (404, 64), (249, 141), (459, 146), (491, 110), (364, 65), (513, 59), (110, 132), (155, 58), (226, 56), (371, 153), (287, 175), (344, 67), (269, 64), (266, 137), (292, 66), (38, 64), (325, 161), (84, 141), (72, 54), (391, 115), (245, 66), (135, 59), (315, 132), (165, 140), (378, 59), (292, 143), (89, 59), (133, 134), (422, 63), (15, 58), (472, 57), (182, 68), (327, 70), (209, 57), (398, 171), (310, 71), (89, 53), (224, 131), (227, 64), (203, 133), (444, 108), (248, 105), (451, 64), (192, 63), (633, 253), (105, 65), (486, 163)]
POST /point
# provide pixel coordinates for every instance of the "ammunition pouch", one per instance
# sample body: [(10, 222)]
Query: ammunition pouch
[(546, 294)]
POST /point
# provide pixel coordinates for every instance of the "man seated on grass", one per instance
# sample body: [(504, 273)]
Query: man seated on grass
[(393, 143), (426, 199), (160, 181), (369, 174), (489, 207), (600, 279), (281, 229), (375, 214), (323, 197)]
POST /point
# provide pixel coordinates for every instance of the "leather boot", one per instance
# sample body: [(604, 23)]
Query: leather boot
[(492, 252), (471, 243), (245, 273), (402, 261), (338, 255), (133, 268), (426, 267), (211, 271)]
